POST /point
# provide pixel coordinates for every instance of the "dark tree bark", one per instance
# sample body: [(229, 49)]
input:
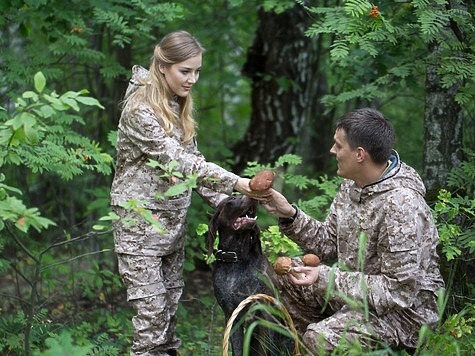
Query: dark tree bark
[(443, 121), (284, 67), (124, 57), (442, 131)]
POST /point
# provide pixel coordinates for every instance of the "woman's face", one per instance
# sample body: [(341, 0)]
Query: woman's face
[(181, 76)]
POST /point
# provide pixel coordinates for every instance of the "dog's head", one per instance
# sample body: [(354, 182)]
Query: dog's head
[(235, 217)]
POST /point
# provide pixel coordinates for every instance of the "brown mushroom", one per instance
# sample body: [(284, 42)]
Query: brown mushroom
[(311, 260), (262, 181), (283, 265)]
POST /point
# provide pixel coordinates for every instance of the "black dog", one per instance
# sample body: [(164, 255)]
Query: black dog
[(240, 265)]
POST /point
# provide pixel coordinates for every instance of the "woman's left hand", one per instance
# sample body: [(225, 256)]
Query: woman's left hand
[(242, 186)]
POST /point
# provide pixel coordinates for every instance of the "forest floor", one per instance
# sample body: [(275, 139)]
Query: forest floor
[(200, 322), (200, 318)]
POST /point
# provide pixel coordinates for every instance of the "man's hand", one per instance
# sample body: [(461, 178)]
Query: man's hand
[(310, 275), (278, 205)]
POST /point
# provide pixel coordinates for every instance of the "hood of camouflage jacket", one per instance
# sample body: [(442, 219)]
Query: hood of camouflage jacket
[(139, 75), (398, 175)]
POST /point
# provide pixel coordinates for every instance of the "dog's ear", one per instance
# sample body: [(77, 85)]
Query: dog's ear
[(212, 230)]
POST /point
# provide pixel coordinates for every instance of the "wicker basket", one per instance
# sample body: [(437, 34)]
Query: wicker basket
[(252, 299)]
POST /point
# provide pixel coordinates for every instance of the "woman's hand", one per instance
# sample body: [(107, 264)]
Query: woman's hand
[(242, 186), (310, 275)]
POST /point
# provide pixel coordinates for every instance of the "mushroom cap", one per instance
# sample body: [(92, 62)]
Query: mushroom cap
[(311, 260), (263, 180), (282, 265)]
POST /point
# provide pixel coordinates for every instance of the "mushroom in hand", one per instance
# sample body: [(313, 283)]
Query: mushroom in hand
[(283, 265), (311, 260), (262, 181)]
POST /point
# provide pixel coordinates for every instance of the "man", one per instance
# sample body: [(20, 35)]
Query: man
[(380, 231)]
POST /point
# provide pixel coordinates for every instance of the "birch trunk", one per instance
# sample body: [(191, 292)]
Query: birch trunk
[(283, 65), (442, 129)]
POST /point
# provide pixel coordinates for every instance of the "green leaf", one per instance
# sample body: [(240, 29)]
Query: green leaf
[(40, 82), (71, 103), (201, 229), (46, 111), (110, 217), (30, 95), (56, 103), (31, 134), (357, 8), (176, 189), (86, 100), (152, 163), (339, 49)]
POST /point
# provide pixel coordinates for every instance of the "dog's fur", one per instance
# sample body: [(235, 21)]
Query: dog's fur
[(235, 279)]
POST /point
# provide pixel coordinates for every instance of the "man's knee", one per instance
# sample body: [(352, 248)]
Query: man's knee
[(319, 339), (327, 334)]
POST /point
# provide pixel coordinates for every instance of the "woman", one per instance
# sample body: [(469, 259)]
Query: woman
[(157, 124)]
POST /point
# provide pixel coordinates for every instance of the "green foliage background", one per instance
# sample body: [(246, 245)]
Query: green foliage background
[(64, 67)]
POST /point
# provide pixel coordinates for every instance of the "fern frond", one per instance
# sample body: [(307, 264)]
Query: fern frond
[(455, 69), (290, 159), (114, 20), (424, 4), (368, 46), (432, 22), (466, 94), (357, 8), (339, 49), (467, 239), (463, 176), (402, 71), (111, 69), (299, 181)]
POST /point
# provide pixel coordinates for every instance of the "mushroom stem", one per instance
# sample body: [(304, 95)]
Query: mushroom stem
[(297, 275)]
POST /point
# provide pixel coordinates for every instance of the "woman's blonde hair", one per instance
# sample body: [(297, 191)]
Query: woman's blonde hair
[(174, 48)]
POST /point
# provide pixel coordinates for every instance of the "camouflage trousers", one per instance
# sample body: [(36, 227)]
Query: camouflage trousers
[(151, 267), (324, 325), (154, 301)]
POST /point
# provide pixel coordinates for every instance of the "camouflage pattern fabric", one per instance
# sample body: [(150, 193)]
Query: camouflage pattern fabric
[(141, 137), (399, 278), (154, 286), (151, 261)]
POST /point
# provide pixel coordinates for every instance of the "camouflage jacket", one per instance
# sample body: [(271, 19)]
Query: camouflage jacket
[(398, 258), (141, 138)]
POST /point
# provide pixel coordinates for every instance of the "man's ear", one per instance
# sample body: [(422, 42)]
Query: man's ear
[(361, 154)]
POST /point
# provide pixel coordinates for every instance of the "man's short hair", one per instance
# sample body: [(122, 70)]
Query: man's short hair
[(370, 129)]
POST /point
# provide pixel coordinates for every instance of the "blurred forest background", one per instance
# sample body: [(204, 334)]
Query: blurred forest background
[(276, 76)]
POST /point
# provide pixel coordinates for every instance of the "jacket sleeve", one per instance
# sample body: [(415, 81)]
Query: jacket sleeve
[(143, 128), (211, 197), (402, 249), (312, 235)]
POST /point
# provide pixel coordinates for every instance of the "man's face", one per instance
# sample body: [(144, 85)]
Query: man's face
[(346, 157)]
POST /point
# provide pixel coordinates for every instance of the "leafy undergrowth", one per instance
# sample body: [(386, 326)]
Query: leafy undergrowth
[(200, 319), (101, 325), (105, 329)]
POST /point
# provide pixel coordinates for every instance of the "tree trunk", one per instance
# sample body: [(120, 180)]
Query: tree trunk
[(442, 130), (283, 65)]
